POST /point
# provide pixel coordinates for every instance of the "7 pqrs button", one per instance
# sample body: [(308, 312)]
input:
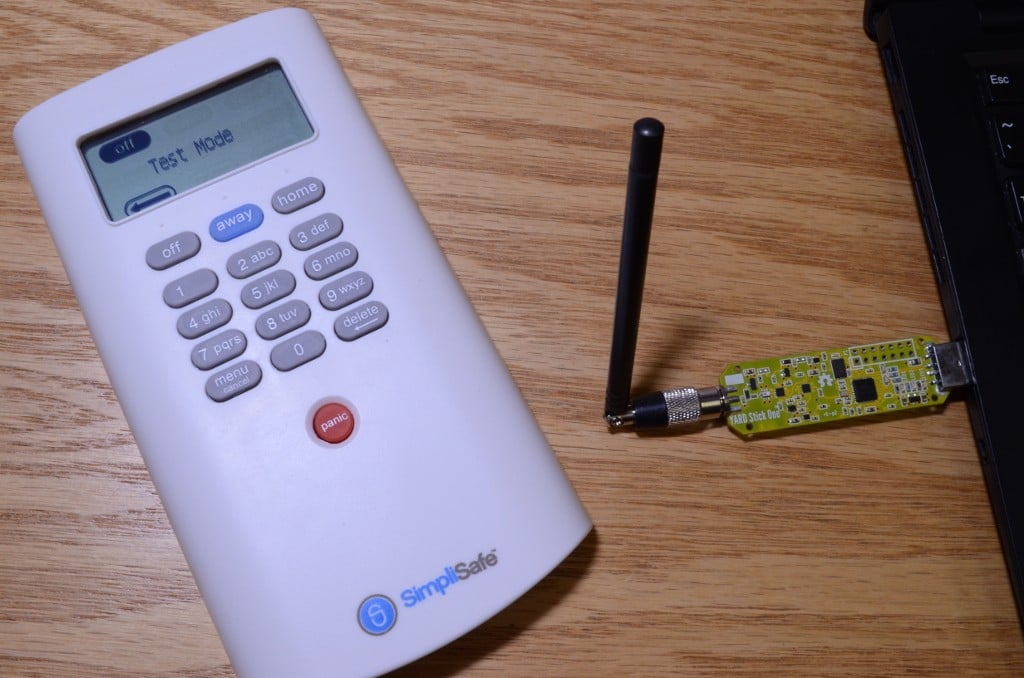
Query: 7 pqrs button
[(219, 349)]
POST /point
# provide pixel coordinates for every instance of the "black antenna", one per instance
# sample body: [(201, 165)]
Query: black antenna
[(661, 409), (642, 183)]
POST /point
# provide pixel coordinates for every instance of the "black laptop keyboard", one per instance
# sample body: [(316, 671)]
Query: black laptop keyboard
[(1002, 89)]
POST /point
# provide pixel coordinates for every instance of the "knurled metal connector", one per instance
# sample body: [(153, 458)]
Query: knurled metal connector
[(692, 405), (673, 408)]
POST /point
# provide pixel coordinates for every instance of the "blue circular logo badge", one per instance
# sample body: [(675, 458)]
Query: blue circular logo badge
[(377, 615)]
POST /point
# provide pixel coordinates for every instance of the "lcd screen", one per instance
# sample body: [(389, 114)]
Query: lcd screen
[(193, 141)]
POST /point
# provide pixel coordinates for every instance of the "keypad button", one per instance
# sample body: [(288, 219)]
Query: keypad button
[(252, 260), (310, 234), (219, 349), (333, 423), (173, 250), (282, 319), (204, 318), (189, 288), (233, 380), (330, 260), (268, 289), (361, 320), (298, 195), (346, 290), (238, 221), (298, 350)]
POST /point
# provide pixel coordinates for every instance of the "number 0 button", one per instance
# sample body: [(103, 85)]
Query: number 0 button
[(298, 350)]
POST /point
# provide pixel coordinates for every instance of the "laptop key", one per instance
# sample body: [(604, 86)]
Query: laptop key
[(1016, 186), (1010, 133), (1004, 83)]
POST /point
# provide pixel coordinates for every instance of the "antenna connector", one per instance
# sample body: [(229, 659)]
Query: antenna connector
[(673, 408)]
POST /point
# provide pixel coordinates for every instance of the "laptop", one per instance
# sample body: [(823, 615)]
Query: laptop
[(955, 70)]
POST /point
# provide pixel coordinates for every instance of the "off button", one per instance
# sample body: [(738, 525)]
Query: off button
[(333, 423)]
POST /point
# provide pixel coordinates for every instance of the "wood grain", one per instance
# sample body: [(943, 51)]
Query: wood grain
[(784, 222)]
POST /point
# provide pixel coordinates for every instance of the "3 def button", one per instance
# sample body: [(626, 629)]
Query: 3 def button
[(333, 423)]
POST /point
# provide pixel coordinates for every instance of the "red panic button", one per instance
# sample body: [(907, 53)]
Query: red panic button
[(333, 423)]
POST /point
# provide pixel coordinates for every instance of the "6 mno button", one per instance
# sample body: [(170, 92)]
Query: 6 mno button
[(333, 423)]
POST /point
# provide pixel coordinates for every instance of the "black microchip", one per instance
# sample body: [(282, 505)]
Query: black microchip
[(753, 384), (780, 392), (839, 368), (806, 388), (864, 390)]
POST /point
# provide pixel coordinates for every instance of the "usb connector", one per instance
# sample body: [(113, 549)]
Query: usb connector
[(951, 365)]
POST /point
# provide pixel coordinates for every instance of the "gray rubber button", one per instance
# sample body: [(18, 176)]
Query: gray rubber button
[(192, 287), (361, 320), (346, 290), (298, 195), (330, 260), (219, 349), (281, 320), (298, 350), (233, 380), (268, 289), (204, 318), (173, 250), (309, 234), (252, 260)]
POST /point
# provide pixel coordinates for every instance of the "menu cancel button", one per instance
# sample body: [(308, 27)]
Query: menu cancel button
[(298, 195)]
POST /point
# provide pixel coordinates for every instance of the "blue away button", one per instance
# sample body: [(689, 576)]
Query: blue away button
[(122, 147), (377, 615), (236, 222)]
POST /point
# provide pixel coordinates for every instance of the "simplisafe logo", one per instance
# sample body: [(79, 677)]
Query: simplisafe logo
[(378, 614), (452, 575)]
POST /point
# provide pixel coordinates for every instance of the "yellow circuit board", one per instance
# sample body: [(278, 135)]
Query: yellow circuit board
[(821, 387)]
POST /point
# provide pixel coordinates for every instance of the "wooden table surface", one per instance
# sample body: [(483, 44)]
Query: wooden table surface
[(784, 222)]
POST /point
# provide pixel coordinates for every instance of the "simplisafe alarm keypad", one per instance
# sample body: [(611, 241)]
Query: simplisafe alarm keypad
[(266, 287), (271, 439)]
